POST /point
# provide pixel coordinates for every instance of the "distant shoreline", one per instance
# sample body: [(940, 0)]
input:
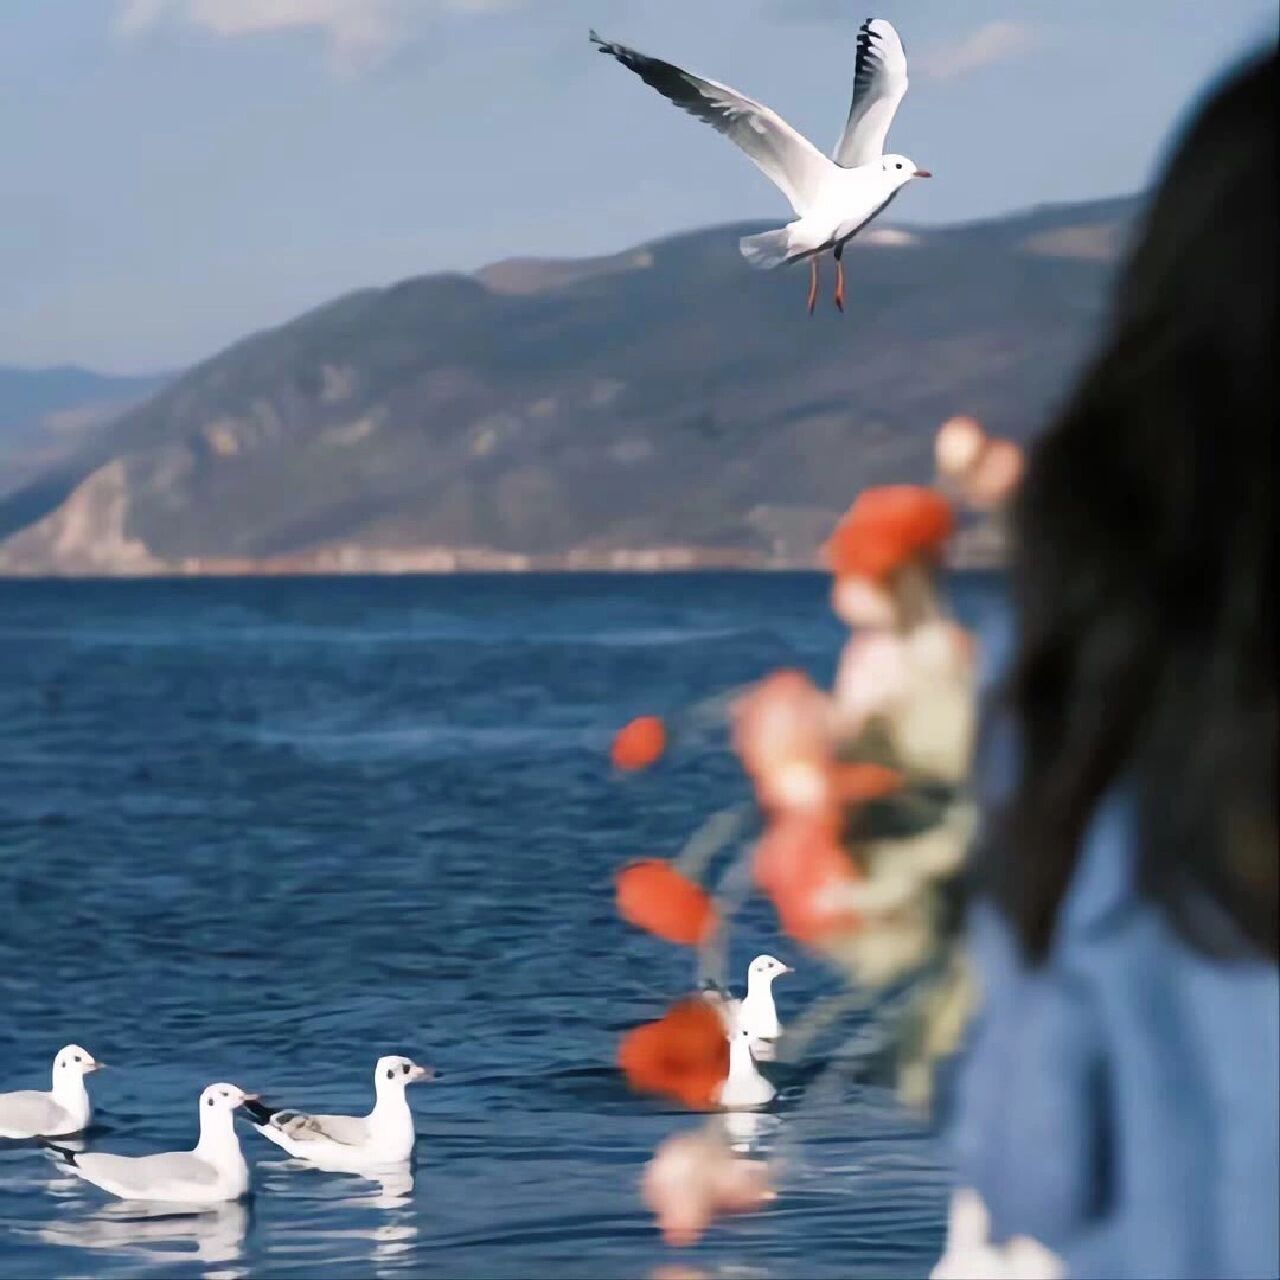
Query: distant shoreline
[(173, 573), (980, 546)]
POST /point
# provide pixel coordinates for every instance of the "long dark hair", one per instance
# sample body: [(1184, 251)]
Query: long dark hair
[(1145, 560)]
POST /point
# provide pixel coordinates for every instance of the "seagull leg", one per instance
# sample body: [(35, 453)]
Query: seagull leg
[(839, 278), (813, 282)]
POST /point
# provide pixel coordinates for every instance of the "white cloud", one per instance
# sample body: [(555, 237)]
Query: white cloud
[(137, 15), (358, 33), (994, 42)]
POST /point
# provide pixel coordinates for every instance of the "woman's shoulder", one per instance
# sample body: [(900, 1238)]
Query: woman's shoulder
[(1148, 1068)]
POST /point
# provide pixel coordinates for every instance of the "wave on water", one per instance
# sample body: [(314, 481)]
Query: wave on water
[(273, 635), (263, 832), (429, 740)]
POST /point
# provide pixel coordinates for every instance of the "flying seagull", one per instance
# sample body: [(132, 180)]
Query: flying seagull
[(833, 199)]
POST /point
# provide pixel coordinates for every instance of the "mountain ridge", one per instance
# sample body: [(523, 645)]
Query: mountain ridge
[(663, 406), (47, 413)]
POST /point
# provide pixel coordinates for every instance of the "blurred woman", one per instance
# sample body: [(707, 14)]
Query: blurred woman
[(1119, 1101)]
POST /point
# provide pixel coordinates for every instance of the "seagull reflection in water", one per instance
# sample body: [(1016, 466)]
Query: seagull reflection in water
[(746, 1130), (389, 1189), (58, 1181), (163, 1234), (395, 1188)]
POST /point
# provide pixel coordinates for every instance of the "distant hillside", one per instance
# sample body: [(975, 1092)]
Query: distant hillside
[(46, 415), (662, 406)]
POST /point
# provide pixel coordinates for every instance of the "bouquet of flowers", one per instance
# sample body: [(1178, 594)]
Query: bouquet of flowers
[(865, 816)]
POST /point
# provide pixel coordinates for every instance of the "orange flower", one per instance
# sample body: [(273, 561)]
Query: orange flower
[(863, 782), (693, 1178), (653, 895), (886, 528), (684, 1055), (780, 731), (797, 861), (638, 744)]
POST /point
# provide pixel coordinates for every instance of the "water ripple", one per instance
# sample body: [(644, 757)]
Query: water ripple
[(266, 831)]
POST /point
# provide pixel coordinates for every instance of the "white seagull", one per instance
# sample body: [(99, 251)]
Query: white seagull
[(744, 1087), (213, 1173), (833, 199), (757, 1012), (64, 1110), (350, 1143)]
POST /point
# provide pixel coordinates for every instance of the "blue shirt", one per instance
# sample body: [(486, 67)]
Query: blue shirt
[(1120, 1102)]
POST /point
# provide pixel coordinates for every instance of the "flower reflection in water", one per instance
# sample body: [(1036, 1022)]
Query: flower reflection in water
[(695, 1177)]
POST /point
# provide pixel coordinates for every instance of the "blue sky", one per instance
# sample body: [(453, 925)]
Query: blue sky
[(177, 173)]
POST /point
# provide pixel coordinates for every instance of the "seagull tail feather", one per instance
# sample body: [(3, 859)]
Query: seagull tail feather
[(768, 249), (259, 1112), (63, 1154)]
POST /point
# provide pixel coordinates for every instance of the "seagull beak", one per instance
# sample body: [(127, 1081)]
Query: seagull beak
[(421, 1073), (247, 1097), (786, 968), (95, 1065), (922, 173)]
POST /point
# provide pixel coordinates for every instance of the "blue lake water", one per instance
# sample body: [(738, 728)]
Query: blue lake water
[(264, 831)]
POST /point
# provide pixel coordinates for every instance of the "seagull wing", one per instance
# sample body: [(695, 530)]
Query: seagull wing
[(724, 1004), (784, 156), (30, 1114), (146, 1177), (349, 1131), (879, 82)]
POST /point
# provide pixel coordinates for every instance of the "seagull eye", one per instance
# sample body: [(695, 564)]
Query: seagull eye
[(208, 1102), (405, 1068), (391, 1073)]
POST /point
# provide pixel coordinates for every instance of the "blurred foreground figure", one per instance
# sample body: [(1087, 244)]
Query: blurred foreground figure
[(1119, 1101)]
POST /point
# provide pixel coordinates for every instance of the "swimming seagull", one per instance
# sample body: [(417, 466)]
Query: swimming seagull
[(757, 1012), (744, 1087), (833, 199), (64, 1110), (384, 1137), (213, 1173)]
